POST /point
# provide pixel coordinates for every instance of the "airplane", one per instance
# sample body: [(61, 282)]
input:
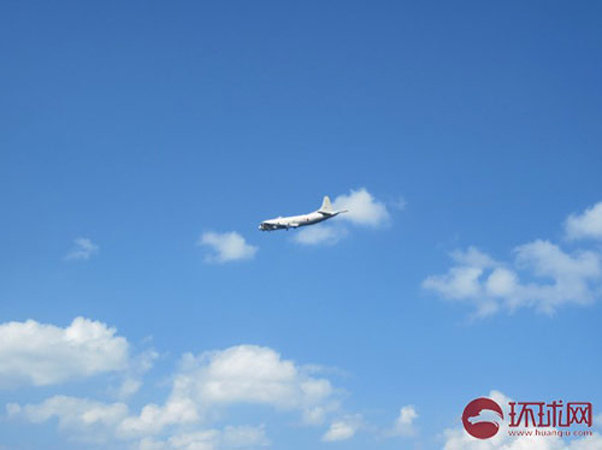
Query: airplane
[(284, 223)]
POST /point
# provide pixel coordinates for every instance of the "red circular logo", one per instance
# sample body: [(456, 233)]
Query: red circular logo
[(482, 417)]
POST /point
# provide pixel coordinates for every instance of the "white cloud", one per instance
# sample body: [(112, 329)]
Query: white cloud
[(363, 208), (458, 439), (459, 283), (83, 249), (40, 354), (226, 247), (96, 422), (153, 418), (404, 425), (244, 436), (320, 234), (343, 429), (317, 414), (585, 225), (129, 386), (87, 420), (464, 282), (252, 374), (244, 374), (541, 276), (473, 257), (228, 438), (238, 375), (202, 389), (132, 380)]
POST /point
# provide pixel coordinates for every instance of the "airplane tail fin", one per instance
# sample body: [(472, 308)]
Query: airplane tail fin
[(326, 206)]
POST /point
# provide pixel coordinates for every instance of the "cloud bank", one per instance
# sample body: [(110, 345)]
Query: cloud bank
[(203, 389)]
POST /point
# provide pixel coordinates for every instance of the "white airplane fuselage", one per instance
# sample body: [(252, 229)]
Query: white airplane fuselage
[(284, 223)]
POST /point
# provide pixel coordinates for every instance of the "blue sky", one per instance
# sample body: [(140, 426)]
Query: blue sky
[(141, 126)]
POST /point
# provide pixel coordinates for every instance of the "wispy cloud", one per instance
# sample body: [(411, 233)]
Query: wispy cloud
[(83, 419), (400, 204), (320, 234), (542, 276), (94, 422), (83, 249), (343, 428), (231, 437), (404, 425), (226, 247)]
